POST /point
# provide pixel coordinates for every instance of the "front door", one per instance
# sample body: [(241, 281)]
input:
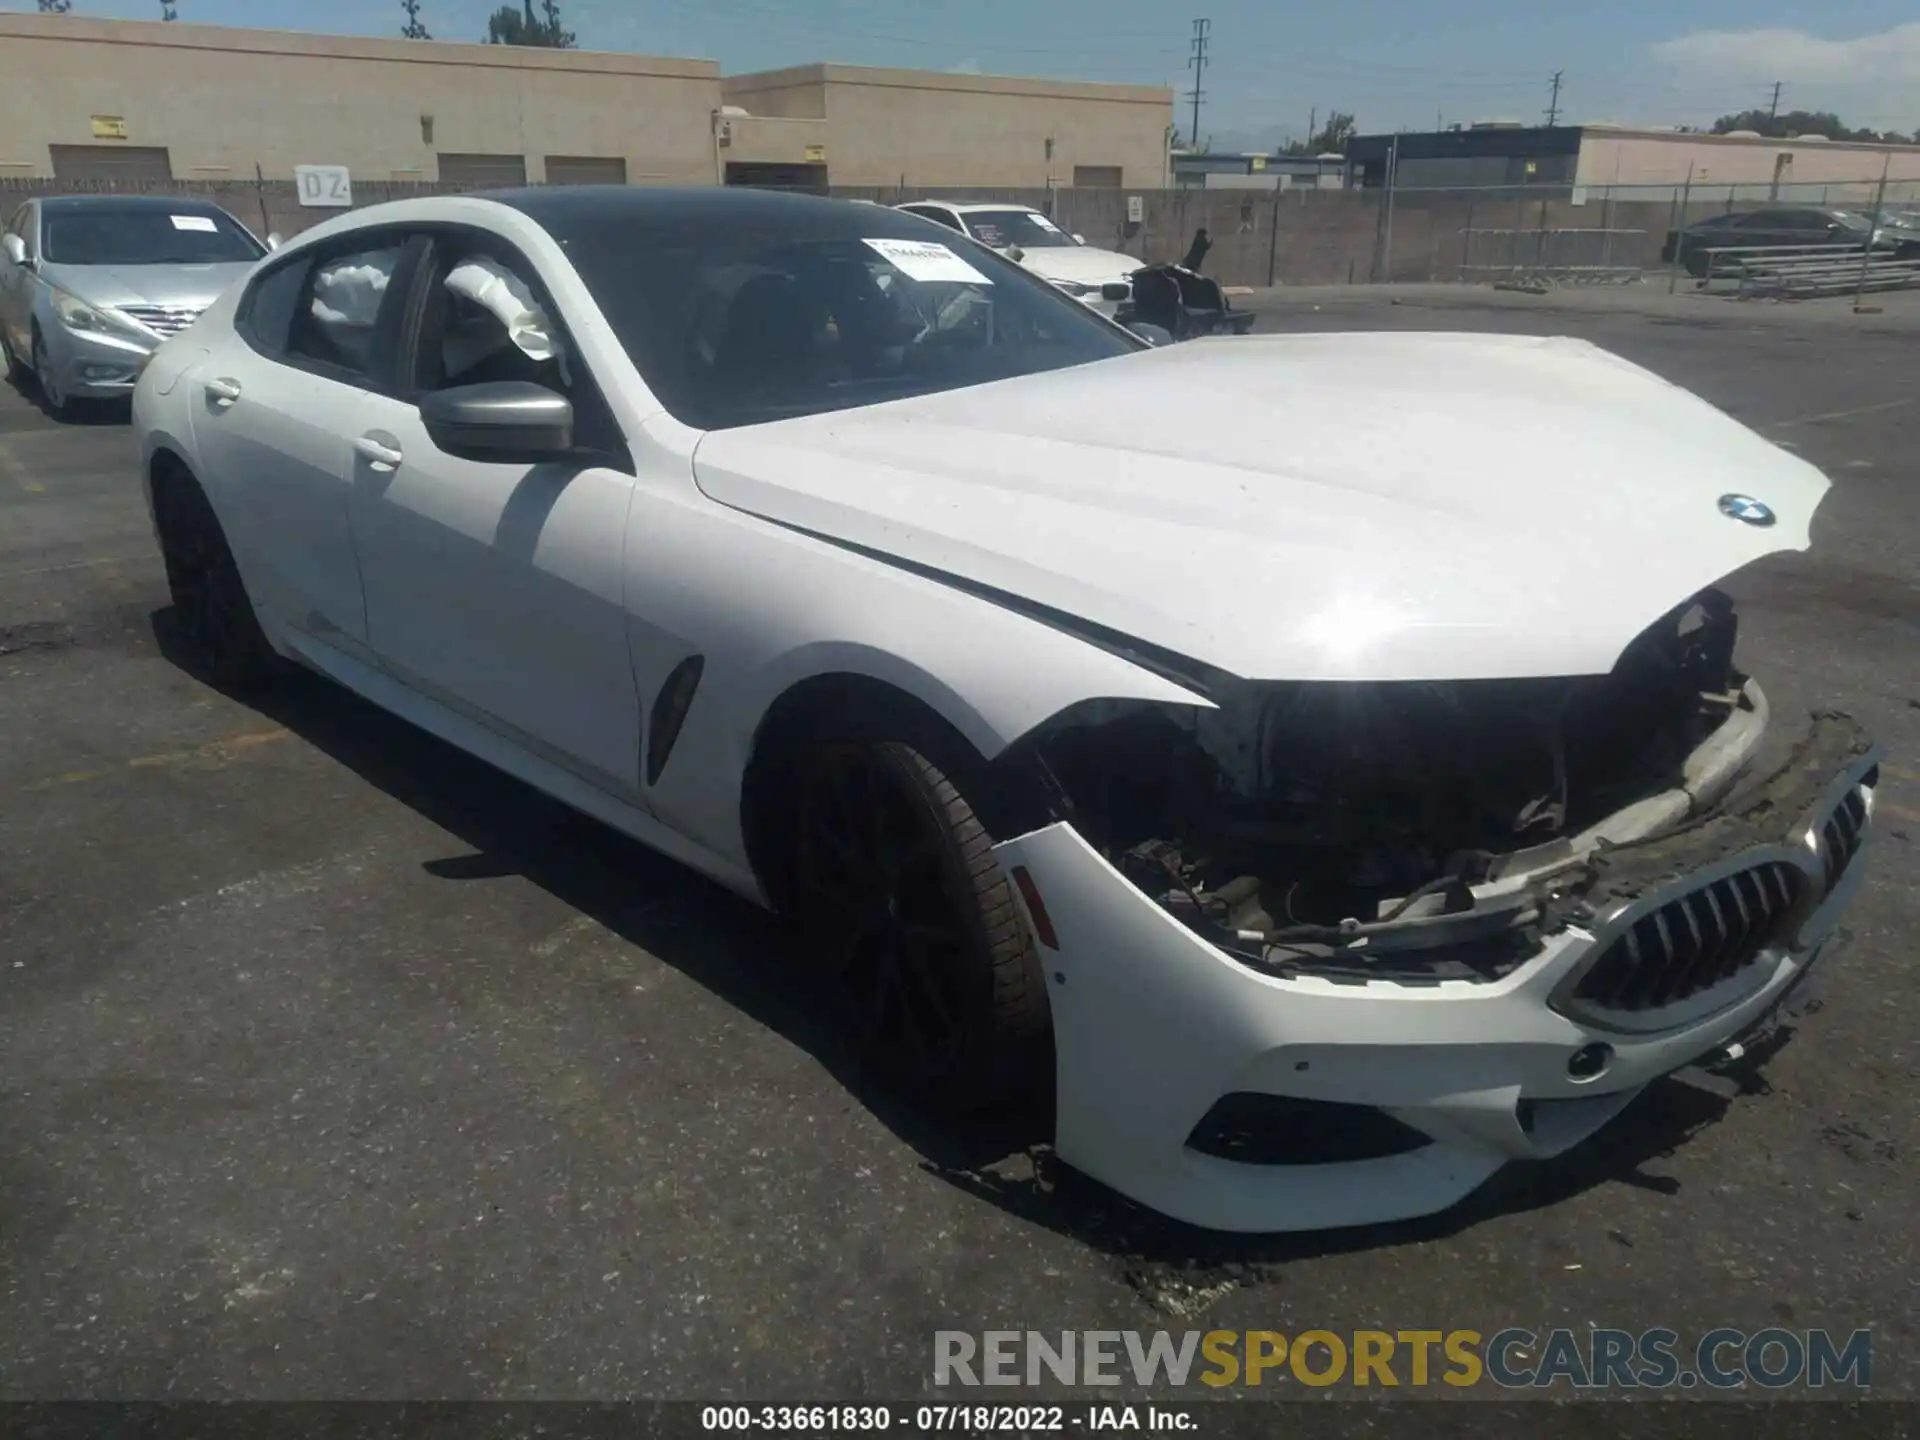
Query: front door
[(495, 587)]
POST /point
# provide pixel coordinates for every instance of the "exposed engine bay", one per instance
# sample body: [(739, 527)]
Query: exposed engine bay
[(1362, 827)]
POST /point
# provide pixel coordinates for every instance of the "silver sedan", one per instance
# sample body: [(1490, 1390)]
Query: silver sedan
[(90, 285)]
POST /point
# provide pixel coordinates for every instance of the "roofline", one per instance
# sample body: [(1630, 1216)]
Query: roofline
[(149, 35), (968, 207), (1639, 132), (833, 73), (145, 201)]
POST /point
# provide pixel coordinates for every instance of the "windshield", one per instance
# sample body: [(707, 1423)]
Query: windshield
[(736, 327), (1026, 228), (146, 235)]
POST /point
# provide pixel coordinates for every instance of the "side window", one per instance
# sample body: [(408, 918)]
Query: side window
[(945, 217), (338, 309), (266, 313), (485, 319)]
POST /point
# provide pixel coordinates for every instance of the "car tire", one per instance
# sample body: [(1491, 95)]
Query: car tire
[(925, 947), (16, 371), (57, 404), (212, 610)]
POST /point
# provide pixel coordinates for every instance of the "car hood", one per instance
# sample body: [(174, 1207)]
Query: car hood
[(1378, 507), (187, 287), (1080, 263)]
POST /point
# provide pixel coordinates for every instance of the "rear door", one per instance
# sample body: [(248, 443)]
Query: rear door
[(273, 406)]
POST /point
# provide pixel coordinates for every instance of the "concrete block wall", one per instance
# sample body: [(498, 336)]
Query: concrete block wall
[(1292, 237)]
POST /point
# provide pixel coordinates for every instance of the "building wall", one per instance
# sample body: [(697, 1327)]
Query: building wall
[(969, 130), (799, 94), (224, 100), (1654, 158)]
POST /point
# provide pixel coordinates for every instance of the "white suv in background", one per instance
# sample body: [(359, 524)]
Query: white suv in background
[(1027, 236)]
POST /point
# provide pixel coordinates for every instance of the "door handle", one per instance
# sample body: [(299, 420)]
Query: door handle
[(379, 454), (223, 391)]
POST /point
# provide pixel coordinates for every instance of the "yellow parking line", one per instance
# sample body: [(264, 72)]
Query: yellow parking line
[(1900, 772), (217, 751), (1895, 812), (17, 473)]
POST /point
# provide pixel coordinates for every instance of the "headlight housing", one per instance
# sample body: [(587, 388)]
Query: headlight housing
[(77, 315)]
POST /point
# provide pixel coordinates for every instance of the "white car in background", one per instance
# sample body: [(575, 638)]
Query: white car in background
[(1100, 278), (1326, 810)]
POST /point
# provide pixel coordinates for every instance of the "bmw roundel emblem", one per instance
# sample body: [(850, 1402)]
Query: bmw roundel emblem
[(1746, 509)]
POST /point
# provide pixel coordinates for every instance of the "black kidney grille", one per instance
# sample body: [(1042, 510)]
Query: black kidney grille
[(1842, 835), (1693, 943)]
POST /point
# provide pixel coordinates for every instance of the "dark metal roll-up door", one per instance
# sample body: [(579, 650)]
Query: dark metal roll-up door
[(483, 170), (111, 162), (586, 170)]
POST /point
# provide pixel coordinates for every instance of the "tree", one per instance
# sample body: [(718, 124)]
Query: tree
[(55, 7), (413, 29), (168, 10), (1332, 139), (508, 26), (1802, 122)]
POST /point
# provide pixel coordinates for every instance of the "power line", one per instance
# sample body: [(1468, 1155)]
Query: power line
[(1198, 63), (1553, 102)]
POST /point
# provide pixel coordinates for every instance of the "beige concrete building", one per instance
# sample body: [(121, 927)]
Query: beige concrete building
[(917, 129), (1753, 167), (105, 100)]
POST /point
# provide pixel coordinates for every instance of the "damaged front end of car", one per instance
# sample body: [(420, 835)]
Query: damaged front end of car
[(1420, 928)]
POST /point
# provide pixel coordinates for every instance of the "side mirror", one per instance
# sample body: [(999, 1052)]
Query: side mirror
[(1152, 334), (1079, 239), (1115, 290), (1016, 254), (275, 241), (16, 249), (505, 420)]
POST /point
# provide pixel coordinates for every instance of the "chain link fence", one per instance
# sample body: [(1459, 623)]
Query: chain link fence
[(1541, 235)]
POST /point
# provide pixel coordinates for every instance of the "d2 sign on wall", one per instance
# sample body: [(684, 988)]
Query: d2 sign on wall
[(325, 187)]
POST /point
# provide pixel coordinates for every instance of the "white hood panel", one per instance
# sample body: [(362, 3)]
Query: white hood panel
[(1358, 506), (1080, 263)]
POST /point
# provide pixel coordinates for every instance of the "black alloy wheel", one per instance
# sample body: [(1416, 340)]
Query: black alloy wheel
[(928, 956), (210, 600)]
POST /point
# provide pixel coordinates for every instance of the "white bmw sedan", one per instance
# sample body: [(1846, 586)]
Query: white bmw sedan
[(1258, 745)]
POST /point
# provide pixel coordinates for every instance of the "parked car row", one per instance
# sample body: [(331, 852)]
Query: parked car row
[(91, 285), (1693, 247)]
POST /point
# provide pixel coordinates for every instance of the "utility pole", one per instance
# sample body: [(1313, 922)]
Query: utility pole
[(1773, 110), (1197, 62), (1313, 125), (1553, 101)]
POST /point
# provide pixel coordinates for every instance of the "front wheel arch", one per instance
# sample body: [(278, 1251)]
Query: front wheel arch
[(838, 706)]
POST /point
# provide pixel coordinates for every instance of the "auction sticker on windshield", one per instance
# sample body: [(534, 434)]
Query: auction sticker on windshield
[(927, 260), (194, 222)]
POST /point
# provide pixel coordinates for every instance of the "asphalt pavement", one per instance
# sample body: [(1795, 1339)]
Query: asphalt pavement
[(333, 1064)]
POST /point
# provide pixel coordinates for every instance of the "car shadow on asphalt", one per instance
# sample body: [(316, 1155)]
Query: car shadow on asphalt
[(717, 941)]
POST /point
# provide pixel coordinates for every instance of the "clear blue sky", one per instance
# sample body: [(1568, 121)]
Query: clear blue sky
[(1392, 63)]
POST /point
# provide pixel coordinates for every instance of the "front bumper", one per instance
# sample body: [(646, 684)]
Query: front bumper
[(95, 366), (1153, 1026)]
